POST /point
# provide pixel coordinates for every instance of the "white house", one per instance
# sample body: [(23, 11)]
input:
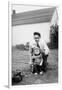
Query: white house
[(28, 19)]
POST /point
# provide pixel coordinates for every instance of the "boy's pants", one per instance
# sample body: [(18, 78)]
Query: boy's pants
[(44, 64)]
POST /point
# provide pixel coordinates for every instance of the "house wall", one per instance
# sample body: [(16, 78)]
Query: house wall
[(24, 33)]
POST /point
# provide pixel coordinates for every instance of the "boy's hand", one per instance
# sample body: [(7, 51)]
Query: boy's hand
[(41, 63)]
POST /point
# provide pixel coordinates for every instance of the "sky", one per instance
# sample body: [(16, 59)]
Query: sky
[(23, 8)]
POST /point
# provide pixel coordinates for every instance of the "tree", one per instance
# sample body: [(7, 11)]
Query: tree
[(54, 36), (21, 47)]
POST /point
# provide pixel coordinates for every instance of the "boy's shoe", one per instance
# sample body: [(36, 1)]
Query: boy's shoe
[(35, 73), (41, 72)]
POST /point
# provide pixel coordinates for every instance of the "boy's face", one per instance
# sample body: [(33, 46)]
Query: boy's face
[(36, 38)]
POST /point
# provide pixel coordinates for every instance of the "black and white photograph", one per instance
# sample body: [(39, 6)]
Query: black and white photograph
[(34, 44)]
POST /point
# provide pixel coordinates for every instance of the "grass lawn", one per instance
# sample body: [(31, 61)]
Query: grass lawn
[(20, 61)]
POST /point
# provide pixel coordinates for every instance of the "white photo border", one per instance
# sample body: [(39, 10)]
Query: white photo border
[(10, 53)]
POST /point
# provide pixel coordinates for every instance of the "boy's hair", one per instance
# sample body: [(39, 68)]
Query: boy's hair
[(37, 33)]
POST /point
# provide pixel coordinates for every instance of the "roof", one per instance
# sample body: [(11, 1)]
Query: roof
[(32, 17)]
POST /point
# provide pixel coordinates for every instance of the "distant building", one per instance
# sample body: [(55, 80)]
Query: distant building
[(27, 46)]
